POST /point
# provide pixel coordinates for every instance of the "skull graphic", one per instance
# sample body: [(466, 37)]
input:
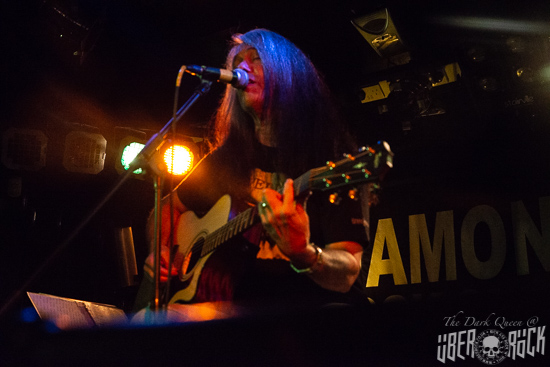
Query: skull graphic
[(490, 347)]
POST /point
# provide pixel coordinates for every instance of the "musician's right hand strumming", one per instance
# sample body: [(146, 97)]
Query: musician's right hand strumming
[(163, 270), (165, 237)]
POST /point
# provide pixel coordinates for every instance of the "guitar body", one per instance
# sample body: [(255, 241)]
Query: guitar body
[(192, 231)]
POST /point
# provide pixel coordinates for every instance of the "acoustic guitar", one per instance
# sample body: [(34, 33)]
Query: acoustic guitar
[(198, 238)]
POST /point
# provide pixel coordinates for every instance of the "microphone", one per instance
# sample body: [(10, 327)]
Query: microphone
[(237, 78)]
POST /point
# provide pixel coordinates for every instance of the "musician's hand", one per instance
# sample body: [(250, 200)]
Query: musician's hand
[(163, 271), (286, 221)]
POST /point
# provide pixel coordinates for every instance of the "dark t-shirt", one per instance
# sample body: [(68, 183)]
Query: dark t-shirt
[(250, 272)]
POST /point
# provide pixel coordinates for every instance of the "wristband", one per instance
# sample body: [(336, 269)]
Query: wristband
[(318, 260)]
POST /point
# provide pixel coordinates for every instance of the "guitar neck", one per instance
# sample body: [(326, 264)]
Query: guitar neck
[(302, 184), (235, 226), (246, 219)]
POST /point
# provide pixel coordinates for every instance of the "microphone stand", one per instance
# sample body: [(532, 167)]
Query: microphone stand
[(146, 158), (143, 159)]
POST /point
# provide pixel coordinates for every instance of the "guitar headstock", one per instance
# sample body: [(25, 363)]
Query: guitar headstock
[(369, 164)]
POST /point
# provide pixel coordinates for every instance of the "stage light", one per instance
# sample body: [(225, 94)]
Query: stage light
[(179, 159), (129, 153), (129, 148), (174, 156), (24, 149), (180, 154), (379, 30), (84, 152)]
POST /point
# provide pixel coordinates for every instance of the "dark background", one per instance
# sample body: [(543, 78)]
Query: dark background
[(100, 66)]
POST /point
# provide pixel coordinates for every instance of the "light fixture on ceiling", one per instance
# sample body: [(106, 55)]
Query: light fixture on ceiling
[(24, 149), (380, 31), (84, 152)]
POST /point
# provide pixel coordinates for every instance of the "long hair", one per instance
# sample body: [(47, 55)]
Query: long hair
[(297, 106)]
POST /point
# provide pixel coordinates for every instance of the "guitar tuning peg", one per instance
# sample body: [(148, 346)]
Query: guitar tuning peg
[(334, 198), (367, 148)]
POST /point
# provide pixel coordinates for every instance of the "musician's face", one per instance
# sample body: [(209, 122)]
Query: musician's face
[(252, 97)]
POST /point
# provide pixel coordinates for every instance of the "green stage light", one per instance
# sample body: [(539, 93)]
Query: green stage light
[(128, 148), (129, 153)]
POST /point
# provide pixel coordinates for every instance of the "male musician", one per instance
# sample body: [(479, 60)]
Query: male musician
[(277, 128)]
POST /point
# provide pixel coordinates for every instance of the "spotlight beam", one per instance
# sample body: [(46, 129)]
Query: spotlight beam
[(495, 24)]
